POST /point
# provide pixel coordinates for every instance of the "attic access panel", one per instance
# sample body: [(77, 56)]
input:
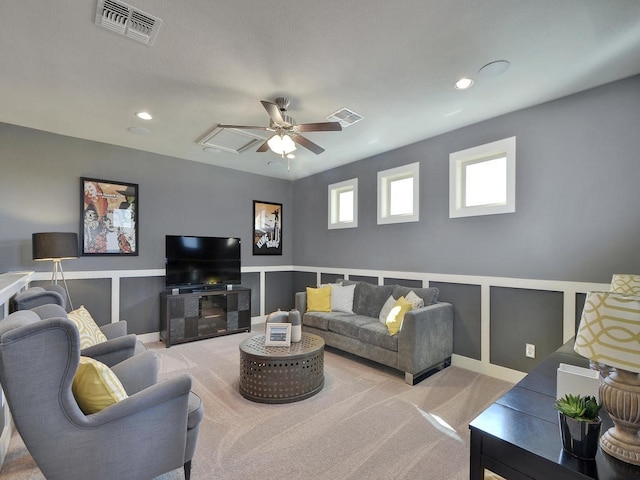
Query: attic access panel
[(230, 140)]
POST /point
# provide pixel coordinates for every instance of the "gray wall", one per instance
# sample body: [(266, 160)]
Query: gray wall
[(577, 217), (466, 316), (577, 196), (40, 191)]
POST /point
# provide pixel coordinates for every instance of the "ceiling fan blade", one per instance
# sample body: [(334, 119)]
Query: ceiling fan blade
[(264, 147), (273, 111), (243, 127), (319, 127), (308, 144)]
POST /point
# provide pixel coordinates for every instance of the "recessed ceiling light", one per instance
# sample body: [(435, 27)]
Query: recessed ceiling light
[(210, 150), (464, 83), (291, 156), (139, 130), (144, 115)]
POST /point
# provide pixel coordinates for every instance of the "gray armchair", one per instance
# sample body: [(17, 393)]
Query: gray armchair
[(49, 301), (118, 347), (151, 432), (36, 296)]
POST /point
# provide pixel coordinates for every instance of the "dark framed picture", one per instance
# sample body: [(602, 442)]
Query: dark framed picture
[(267, 228), (108, 217)]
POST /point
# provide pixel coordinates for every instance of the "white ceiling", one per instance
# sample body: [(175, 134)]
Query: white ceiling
[(214, 60)]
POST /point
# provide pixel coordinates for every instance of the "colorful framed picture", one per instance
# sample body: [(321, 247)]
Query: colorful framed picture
[(108, 217), (277, 335), (267, 228)]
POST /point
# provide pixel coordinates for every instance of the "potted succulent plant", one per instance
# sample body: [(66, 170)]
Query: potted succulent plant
[(580, 424)]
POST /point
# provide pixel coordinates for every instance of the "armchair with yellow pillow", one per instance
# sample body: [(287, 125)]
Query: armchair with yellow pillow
[(108, 343), (82, 419)]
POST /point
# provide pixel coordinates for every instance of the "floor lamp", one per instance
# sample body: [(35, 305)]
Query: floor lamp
[(56, 246)]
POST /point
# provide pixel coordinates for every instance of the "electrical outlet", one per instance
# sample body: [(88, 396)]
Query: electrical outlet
[(530, 350)]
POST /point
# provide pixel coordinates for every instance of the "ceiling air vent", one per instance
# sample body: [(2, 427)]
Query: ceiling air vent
[(230, 140), (127, 20), (345, 116)]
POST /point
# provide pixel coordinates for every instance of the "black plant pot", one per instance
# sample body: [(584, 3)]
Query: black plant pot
[(580, 438)]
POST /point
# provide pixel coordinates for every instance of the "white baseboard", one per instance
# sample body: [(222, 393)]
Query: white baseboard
[(496, 371)]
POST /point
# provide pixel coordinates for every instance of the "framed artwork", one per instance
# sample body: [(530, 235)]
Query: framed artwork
[(267, 228), (108, 217), (277, 335)]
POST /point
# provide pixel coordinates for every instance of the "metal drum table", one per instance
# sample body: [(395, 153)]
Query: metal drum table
[(281, 374)]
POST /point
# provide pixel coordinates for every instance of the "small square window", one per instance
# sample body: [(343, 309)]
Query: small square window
[(401, 196), (398, 194), (482, 179), (343, 204), (485, 182)]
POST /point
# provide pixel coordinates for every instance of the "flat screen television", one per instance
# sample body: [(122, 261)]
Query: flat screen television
[(193, 262)]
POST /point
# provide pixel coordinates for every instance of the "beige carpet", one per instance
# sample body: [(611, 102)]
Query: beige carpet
[(365, 423)]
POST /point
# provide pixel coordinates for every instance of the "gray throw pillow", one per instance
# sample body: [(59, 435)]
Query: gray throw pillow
[(429, 295), (368, 299)]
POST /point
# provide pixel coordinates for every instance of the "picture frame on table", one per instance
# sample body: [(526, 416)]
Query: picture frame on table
[(277, 335), (267, 228), (108, 217)]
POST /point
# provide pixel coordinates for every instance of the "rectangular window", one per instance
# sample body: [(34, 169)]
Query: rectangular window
[(485, 182), (482, 179), (343, 204), (398, 194), (401, 196)]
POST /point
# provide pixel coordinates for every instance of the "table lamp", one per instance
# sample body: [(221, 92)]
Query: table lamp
[(56, 246), (609, 333), (625, 283)]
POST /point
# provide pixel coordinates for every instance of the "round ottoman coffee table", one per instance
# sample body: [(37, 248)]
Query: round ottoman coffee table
[(281, 374)]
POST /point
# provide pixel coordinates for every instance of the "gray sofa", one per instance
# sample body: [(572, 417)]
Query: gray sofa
[(424, 342)]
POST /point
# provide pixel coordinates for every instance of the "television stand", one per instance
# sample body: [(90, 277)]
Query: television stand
[(200, 314)]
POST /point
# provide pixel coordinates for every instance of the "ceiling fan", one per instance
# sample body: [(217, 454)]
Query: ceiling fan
[(286, 132)]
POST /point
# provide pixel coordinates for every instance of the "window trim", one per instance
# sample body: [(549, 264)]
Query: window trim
[(385, 178), (489, 151), (334, 191)]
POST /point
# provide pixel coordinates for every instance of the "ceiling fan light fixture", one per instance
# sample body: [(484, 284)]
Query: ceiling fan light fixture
[(281, 144)]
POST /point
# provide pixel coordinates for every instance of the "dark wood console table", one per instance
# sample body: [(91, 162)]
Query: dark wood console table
[(518, 436), (200, 314)]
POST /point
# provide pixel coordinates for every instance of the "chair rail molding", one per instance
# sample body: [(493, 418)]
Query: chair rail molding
[(569, 290)]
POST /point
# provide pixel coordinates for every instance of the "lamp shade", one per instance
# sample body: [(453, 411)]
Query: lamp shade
[(281, 144), (609, 330), (54, 245), (625, 283)]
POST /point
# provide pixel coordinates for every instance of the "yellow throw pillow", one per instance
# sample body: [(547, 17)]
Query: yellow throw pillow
[(95, 386), (319, 299), (396, 316), (90, 333)]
